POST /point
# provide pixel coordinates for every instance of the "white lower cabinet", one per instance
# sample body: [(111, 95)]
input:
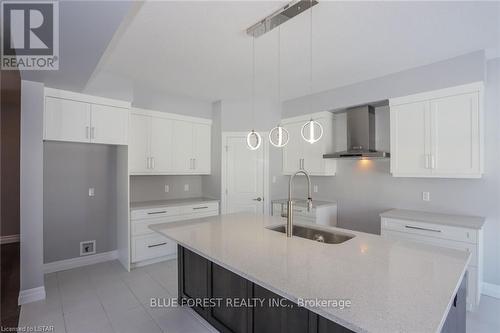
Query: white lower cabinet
[(148, 246), (461, 238)]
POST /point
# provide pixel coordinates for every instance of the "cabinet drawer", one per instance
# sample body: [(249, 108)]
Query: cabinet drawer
[(141, 227), (151, 246), (200, 208), (463, 246), (431, 230), (152, 213)]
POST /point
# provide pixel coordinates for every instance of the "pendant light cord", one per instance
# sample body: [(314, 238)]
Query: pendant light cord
[(253, 82), (311, 58)]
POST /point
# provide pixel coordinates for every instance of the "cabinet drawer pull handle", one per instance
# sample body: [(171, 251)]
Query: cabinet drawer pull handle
[(420, 228), (204, 207), (159, 244), (160, 212)]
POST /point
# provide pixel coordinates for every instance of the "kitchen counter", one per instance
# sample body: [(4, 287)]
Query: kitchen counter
[(473, 222), (169, 203), (303, 203), (394, 286)]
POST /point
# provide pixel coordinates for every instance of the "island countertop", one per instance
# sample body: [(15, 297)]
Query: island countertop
[(393, 286)]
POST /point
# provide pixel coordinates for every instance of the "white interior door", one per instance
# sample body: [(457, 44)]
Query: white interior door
[(244, 176)]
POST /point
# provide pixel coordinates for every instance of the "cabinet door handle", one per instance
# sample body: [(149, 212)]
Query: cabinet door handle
[(427, 165), (204, 207), (87, 132), (147, 163), (158, 212), (152, 162), (433, 162), (190, 164), (420, 228), (194, 163), (92, 132), (159, 244)]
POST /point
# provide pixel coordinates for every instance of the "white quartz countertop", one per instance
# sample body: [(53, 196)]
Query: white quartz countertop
[(169, 203), (394, 286), (302, 202), (474, 222)]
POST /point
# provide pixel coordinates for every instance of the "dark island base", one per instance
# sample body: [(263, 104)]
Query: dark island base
[(202, 280)]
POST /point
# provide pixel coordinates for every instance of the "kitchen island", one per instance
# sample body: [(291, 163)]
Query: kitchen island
[(391, 286)]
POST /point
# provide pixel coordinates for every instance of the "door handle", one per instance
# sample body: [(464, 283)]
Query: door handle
[(257, 199)]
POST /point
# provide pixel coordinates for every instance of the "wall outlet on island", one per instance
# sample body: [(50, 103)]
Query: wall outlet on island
[(186, 187), (315, 188), (426, 196), (167, 188)]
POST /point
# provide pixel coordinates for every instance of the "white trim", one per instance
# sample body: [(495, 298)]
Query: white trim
[(168, 115), (62, 265), (307, 117), (31, 295), (70, 95), (9, 239), (440, 93), (154, 261), (490, 289), (265, 146)]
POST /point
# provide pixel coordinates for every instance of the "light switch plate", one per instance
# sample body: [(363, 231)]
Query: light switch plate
[(426, 196), (186, 187), (315, 188), (91, 192), (167, 188)]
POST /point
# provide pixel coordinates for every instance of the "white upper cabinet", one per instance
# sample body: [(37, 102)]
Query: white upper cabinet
[(438, 134), (75, 117), (139, 143), (66, 120), (168, 144), (109, 124), (299, 154)]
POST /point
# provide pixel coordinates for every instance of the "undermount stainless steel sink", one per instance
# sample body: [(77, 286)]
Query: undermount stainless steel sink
[(318, 235)]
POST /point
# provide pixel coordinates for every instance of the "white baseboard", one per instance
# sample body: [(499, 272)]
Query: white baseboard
[(31, 295), (154, 261), (9, 239), (63, 265), (490, 289)]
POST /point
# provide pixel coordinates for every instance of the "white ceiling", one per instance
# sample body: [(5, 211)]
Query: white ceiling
[(200, 49)]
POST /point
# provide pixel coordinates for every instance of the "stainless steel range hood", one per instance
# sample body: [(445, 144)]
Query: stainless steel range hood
[(360, 135)]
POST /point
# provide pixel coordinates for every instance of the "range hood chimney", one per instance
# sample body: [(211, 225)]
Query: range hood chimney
[(360, 135)]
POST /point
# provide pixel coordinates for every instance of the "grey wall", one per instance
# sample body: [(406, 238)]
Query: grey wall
[(146, 188), (70, 215), (365, 189), (31, 185)]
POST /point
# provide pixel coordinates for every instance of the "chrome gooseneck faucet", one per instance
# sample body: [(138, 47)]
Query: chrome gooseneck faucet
[(289, 221)]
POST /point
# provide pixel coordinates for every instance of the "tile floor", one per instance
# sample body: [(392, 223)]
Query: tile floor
[(105, 298)]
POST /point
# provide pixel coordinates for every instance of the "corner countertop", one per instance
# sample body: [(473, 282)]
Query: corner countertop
[(170, 203), (473, 222), (302, 202), (394, 286)]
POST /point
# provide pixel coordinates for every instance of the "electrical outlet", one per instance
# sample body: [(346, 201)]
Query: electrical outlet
[(87, 247), (186, 187), (315, 188), (91, 192), (167, 188), (426, 196)]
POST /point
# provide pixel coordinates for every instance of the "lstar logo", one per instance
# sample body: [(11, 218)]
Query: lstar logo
[(30, 35)]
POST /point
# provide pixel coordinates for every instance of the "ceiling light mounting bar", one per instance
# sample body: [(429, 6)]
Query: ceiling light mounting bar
[(280, 16)]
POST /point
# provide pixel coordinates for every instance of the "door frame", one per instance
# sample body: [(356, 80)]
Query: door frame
[(265, 146)]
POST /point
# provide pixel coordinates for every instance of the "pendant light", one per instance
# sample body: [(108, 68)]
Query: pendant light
[(312, 131), (279, 136), (253, 138)]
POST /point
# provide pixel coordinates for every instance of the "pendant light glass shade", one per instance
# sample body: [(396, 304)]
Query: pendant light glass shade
[(254, 140), (312, 131), (279, 136)]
